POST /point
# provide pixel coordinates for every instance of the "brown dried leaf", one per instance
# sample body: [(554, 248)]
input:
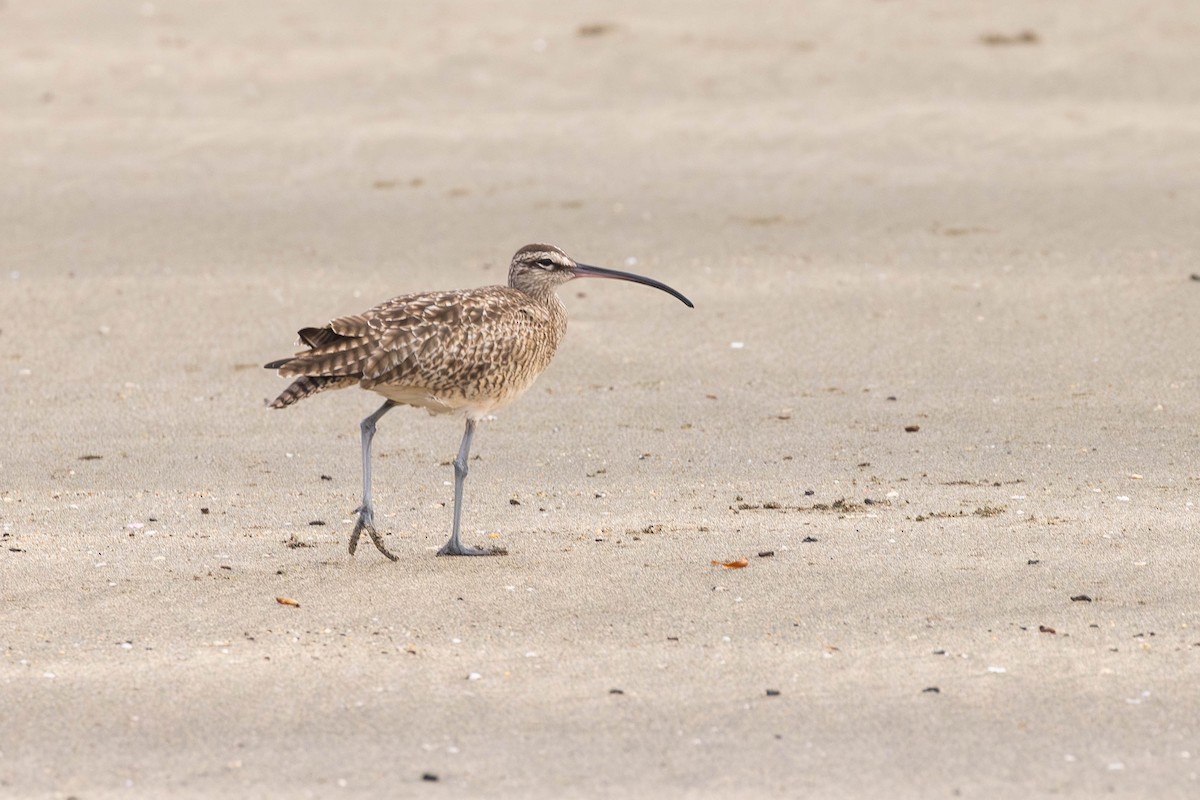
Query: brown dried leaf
[(287, 601), (741, 562)]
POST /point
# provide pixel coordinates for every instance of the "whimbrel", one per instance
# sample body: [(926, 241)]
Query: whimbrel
[(468, 351)]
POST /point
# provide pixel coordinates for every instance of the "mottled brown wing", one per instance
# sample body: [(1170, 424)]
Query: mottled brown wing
[(432, 339), (330, 354), (446, 340)]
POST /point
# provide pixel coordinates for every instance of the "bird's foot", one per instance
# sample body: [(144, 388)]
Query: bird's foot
[(366, 522), (453, 548)]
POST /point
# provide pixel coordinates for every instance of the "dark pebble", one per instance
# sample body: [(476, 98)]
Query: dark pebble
[(1033, 561), (204, 511), (766, 554), (911, 428), (429, 776), (512, 501), (329, 478), (616, 691), (1081, 598), (931, 690), (316, 522), (772, 693), (808, 539), (809, 492)]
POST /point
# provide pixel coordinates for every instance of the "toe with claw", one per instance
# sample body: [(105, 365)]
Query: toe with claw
[(366, 522), (458, 549)]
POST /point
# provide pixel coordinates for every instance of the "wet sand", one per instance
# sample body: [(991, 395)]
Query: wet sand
[(939, 390)]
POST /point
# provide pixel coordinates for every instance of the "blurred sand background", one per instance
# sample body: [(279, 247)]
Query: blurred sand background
[(978, 219)]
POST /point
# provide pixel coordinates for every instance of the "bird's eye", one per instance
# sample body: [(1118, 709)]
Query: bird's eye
[(545, 263)]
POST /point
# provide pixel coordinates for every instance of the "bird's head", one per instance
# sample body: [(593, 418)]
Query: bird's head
[(539, 269)]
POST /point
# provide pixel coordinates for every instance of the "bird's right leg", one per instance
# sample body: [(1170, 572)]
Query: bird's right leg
[(455, 547), (366, 512)]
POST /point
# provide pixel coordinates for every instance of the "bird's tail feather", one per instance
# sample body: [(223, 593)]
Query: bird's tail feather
[(307, 385)]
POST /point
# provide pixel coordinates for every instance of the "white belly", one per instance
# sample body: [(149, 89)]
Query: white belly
[(475, 408)]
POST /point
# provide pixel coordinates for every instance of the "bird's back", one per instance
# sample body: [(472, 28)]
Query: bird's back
[(468, 350)]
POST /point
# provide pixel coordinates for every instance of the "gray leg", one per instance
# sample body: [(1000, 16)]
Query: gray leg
[(366, 512), (455, 547)]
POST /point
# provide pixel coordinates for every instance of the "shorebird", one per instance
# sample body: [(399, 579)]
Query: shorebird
[(468, 352)]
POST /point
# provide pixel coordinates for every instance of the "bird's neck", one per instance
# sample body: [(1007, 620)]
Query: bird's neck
[(558, 311), (543, 294), (549, 299)]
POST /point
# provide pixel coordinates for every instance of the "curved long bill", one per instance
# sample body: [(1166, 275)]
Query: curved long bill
[(588, 271)]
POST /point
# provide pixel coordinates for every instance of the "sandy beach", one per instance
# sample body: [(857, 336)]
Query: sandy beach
[(940, 391)]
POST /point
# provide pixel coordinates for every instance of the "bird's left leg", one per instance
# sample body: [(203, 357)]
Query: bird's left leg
[(455, 547), (366, 512)]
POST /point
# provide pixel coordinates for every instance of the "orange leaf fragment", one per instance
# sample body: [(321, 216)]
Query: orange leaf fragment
[(287, 601), (741, 562)]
